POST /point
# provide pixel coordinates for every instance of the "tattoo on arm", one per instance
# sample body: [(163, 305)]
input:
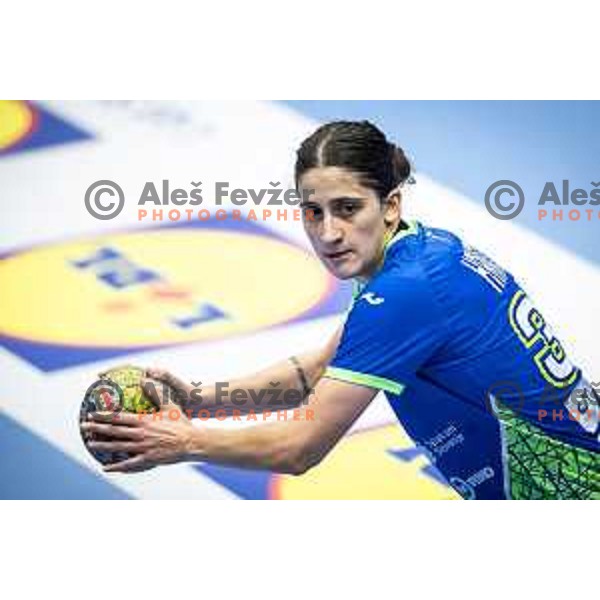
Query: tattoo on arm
[(301, 376)]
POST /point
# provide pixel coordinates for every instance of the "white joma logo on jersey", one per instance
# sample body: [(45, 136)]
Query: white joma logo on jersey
[(371, 298)]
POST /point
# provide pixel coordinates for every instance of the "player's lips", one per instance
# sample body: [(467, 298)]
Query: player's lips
[(337, 256)]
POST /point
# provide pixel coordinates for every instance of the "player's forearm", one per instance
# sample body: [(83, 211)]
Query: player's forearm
[(284, 384), (278, 447)]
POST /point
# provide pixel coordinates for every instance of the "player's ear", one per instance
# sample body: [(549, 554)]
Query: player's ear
[(392, 206)]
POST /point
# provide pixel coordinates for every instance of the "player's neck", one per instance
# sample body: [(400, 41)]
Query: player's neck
[(362, 280)]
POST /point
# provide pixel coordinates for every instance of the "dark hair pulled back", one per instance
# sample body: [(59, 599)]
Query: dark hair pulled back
[(358, 146)]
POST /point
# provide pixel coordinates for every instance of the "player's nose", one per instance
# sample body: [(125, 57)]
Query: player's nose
[(331, 233)]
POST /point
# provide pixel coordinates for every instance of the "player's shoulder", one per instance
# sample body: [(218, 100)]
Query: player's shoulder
[(430, 262), (407, 277), (422, 245), (419, 257)]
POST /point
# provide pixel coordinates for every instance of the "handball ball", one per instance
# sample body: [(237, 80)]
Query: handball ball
[(117, 390), (129, 379)]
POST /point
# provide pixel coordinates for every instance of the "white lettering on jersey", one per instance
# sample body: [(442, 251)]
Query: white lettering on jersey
[(372, 299)]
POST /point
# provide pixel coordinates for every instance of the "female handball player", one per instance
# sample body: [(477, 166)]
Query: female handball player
[(466, 360)]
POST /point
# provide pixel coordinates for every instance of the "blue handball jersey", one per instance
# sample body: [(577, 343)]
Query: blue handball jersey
[(473, 371)]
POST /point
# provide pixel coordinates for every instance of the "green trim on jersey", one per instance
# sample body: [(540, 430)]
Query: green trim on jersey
[(380, 383), (413, 228), (359, 286), (537, 466)]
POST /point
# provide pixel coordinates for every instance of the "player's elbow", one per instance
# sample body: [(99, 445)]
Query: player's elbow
[(299, 458), (300, 466), (296, 466)]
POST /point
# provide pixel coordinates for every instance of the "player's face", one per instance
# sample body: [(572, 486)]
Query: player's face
[(345, 221)]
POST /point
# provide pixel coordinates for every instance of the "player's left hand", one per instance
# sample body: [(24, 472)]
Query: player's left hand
[(151, 439)]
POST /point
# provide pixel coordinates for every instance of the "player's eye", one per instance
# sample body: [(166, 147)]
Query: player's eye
[(348, 208), (311, 212)]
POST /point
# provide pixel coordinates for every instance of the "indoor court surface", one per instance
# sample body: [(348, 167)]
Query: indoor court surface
[(62, 321)]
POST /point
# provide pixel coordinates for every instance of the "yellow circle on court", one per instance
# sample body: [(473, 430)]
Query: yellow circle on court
[(361, 467), (244, 282), (16, 122)]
